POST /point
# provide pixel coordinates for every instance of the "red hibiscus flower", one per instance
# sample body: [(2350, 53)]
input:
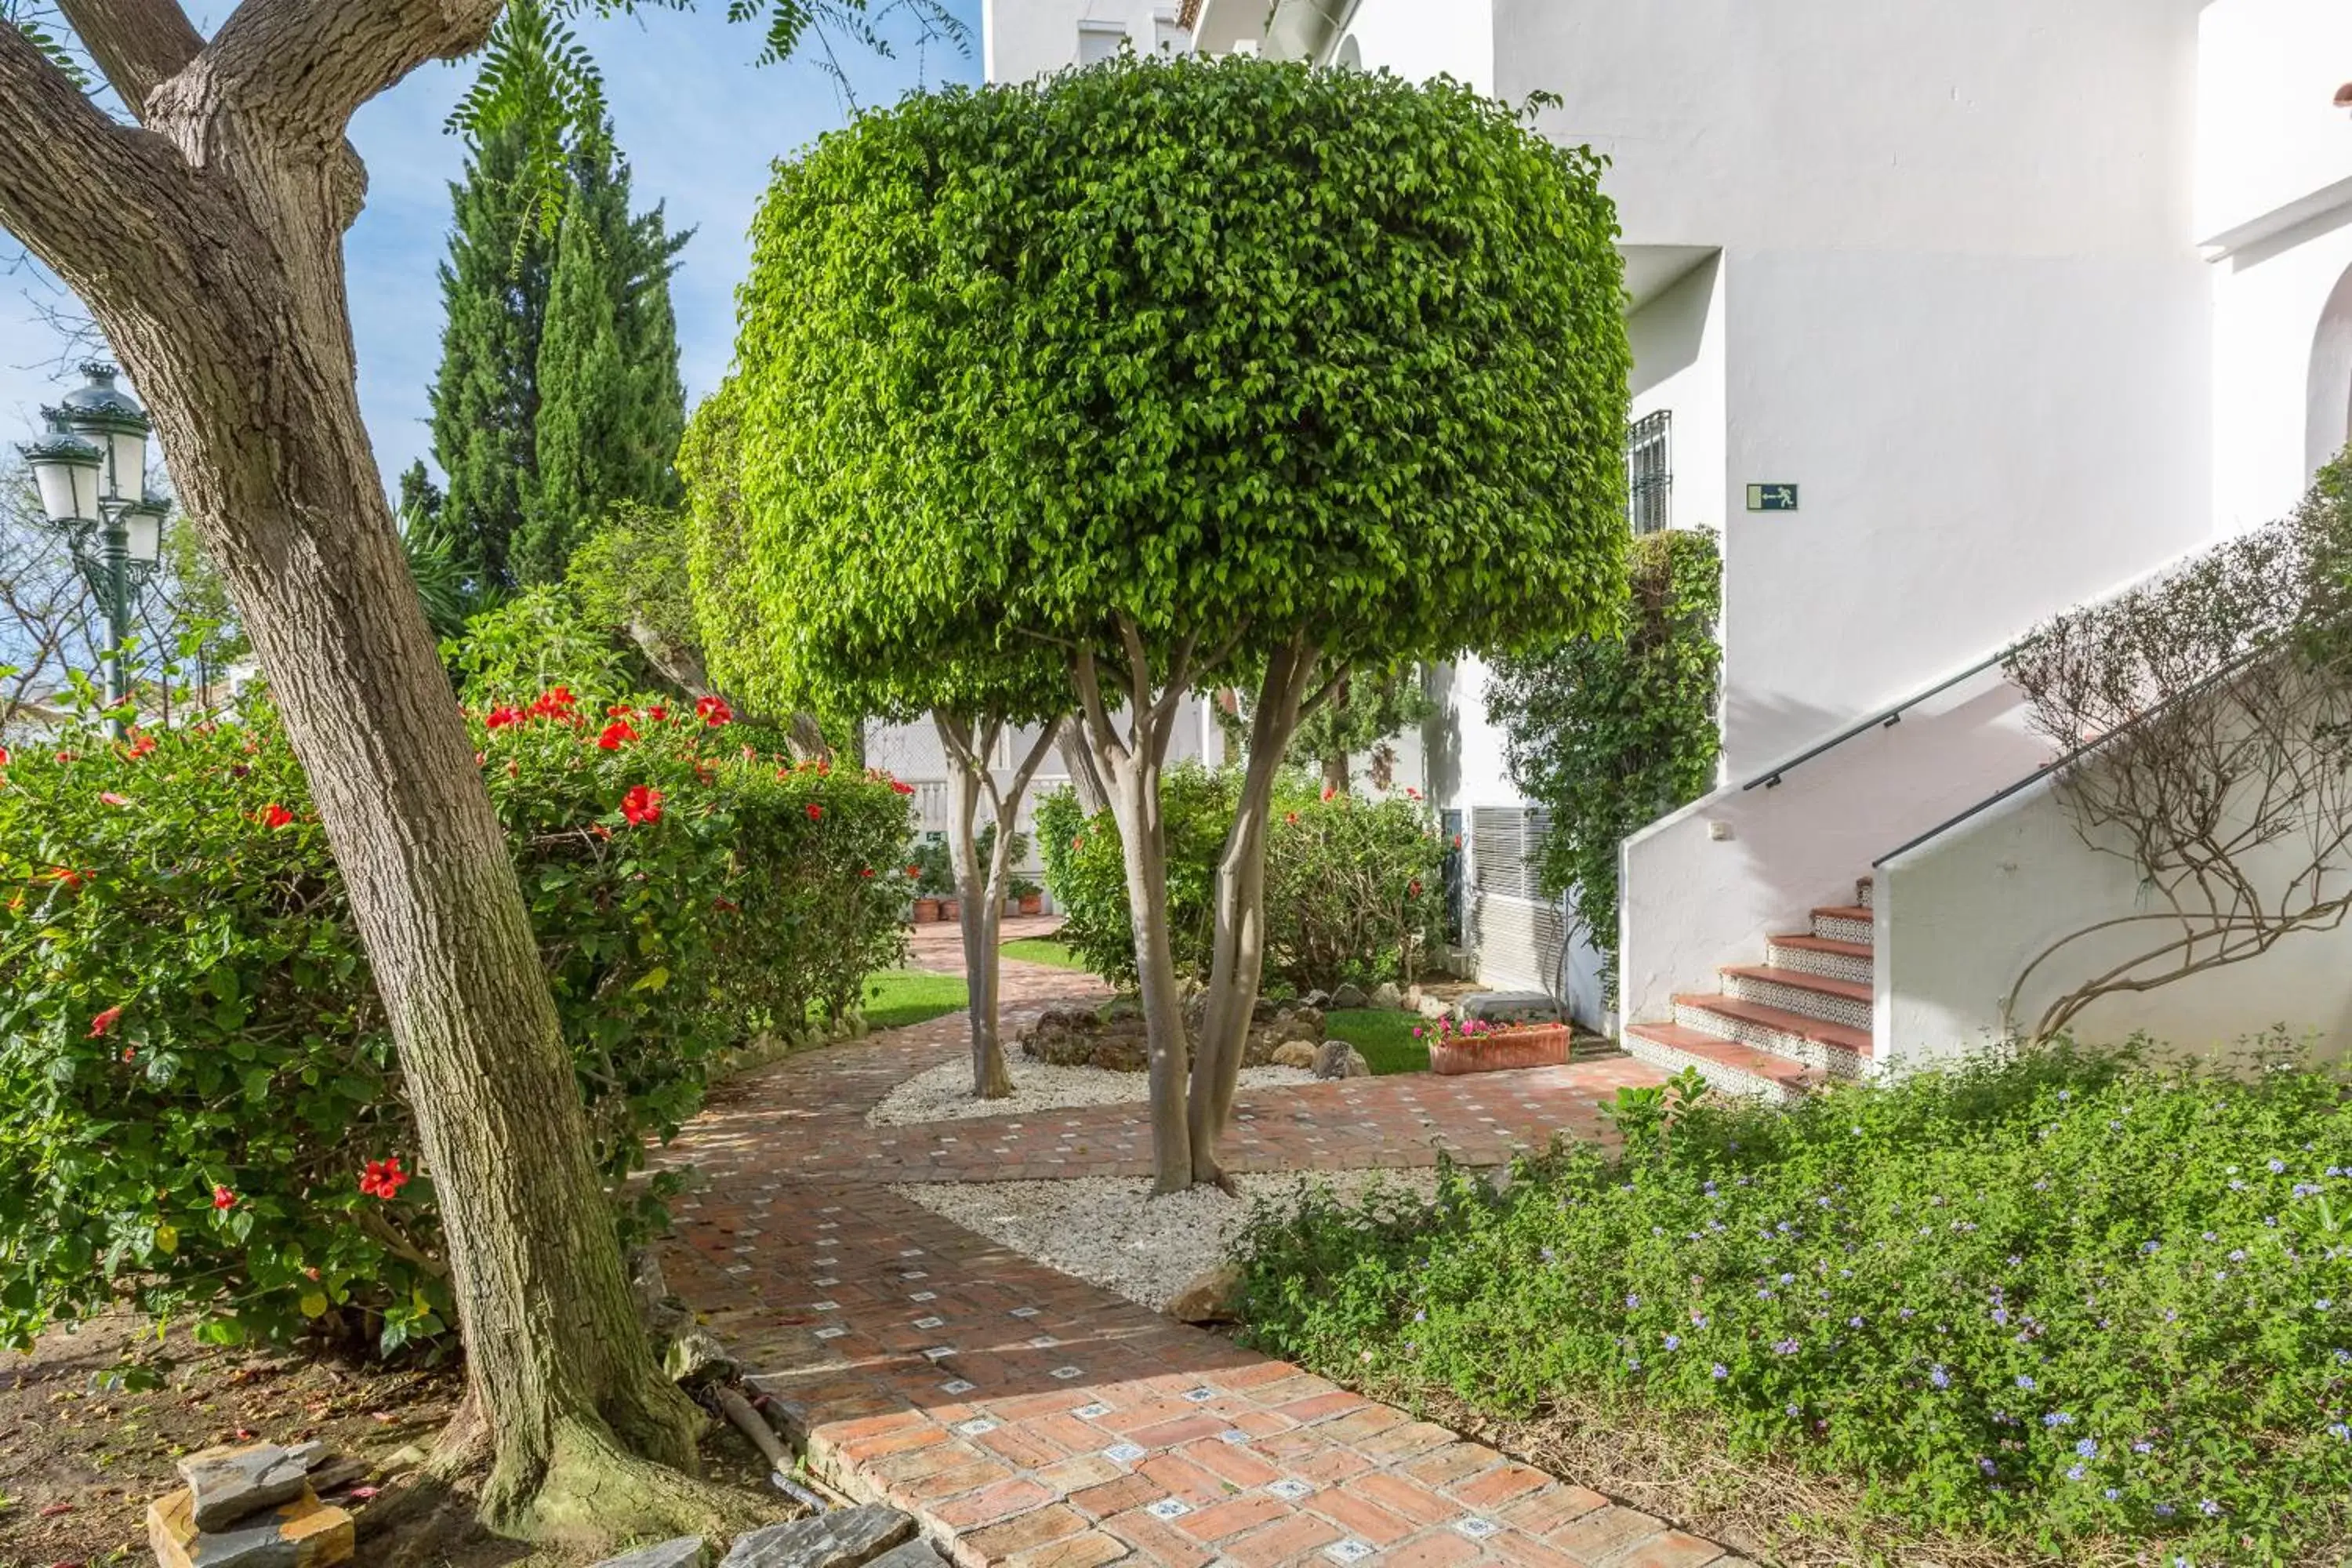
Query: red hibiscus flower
[(657, 712), (103, 1025), (713, 711), (223, 1198), (616, 734), (139, 746), (816, 812), (504, 717), (4, 756), (1291, 818), (274, 816), (914, 870), (619, 710), (865, 870), (1329, 792), (384, 1179), (642, 806), (558, 703), (110, 798), (901, 786), (1413, 890)]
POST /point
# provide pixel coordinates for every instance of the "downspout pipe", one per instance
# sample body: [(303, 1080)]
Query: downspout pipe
[(1306, 30)]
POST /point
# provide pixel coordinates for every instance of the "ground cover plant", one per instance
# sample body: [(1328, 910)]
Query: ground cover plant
[(1044, 949), (1390, 1041), (201, 1111), (2054, 1301)]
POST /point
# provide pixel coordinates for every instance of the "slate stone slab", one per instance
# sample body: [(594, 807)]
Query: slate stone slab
[(846, 1538), (686, 1552), (917, 1554), (230, 1484), (303, 1533)]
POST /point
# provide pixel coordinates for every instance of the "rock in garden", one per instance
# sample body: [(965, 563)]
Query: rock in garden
[(303, 1533), (1386, 995), (225, 1485), (846, 1538), (1337, 1058), (1295, 1054), (1215, 1297), (686, 1552), (1434, 1008), (697, 1356), (1316, 999), (1121, 1053), (917, 1554), (1349, 994)]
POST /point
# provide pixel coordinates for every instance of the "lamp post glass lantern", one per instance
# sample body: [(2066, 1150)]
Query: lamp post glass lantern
[(91, 472)]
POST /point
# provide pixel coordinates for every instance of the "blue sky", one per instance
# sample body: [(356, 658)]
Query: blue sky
[(700, 124)]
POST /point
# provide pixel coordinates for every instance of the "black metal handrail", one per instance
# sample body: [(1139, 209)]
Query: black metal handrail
[(1884, 718), (2077, 754)]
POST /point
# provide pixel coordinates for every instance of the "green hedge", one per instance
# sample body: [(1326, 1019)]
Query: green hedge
[(2054, 1301), (195, 1072), (1352, 884)]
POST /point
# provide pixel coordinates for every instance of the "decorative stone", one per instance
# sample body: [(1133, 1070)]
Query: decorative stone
[(1294, 1054), (228, 1483), (303, 1533), (1387, 997), (686, 1552), (697, 1356), (917, 1554), (1435, 1007), (310, 1455), (1348, 995), (846, 1538), (1213, 1297), (1318, 1000), (1337, 1058)]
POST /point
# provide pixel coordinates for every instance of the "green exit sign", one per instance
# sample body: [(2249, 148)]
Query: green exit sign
[(1772, 498)]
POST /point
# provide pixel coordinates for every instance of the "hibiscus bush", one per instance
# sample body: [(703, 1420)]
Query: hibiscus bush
[(1352, 883), (200, 1106)]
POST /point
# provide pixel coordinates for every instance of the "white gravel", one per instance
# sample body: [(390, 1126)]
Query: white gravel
[(944, 1093), (1111, 1231)]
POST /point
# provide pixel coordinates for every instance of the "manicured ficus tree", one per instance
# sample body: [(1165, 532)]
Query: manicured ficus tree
[(753, 593), (1192, 372)]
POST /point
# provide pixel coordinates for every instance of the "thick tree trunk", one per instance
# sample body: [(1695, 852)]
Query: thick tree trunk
[(1237, 957), (1335, 773), (218, 279), (1135, 805), (978, 892), (1086, 777)]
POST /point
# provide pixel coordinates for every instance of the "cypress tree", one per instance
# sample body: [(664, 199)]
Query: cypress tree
[(485, 397), (611, 408)]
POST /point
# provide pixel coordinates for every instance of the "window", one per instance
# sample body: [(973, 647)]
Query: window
[(1099, 41), (1168, 35), (1650, 473)]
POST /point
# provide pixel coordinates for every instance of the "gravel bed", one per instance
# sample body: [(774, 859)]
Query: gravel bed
[(944, 1092), (1111, 1231)]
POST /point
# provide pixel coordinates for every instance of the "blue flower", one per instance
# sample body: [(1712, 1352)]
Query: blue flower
[(2143, 1447), (2278, 1167), (2087, 1449), (1939, 1377), (2209, 1507), (2074, 1472), (2322, 1304), (2147, 1246), (1985, 1465), (1631, 1302), (2164, 1511), (1673, 1341), (1786, 1347), (1720, 1371), (2339, 1431), (2024, 1381), (1698, 1320)]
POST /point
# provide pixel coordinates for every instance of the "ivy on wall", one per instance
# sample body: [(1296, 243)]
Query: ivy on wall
[(1611, 732)]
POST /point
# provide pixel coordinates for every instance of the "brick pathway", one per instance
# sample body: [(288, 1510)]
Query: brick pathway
[(1029, 1418)]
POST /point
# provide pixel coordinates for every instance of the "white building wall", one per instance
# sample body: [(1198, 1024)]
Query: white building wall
[(1425, 38), (1678, 367), (1024, 38)]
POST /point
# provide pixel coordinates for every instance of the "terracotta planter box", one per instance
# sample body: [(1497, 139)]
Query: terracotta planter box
[(1531, 1046), (1034, 904), (951, 911), (926, 911)]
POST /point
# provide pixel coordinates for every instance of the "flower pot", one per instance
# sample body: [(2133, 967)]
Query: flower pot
[(1032, 903), (1527, 1045), (951, 911), (926, 911)]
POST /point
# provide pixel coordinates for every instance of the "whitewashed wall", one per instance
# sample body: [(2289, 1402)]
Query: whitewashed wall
[(1961, 918), (1022, 38)]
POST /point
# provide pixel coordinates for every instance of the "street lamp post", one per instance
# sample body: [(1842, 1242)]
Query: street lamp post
[(91, 472)]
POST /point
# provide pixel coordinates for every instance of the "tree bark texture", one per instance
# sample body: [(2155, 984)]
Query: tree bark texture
[(1130, 759), (1237, 954), (216, 273), (979, 891)]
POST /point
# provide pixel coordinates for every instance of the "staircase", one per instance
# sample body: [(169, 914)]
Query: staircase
[(1782, 1027)]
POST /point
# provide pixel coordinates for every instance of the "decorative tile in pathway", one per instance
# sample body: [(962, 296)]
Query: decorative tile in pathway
[(1029, 1418)]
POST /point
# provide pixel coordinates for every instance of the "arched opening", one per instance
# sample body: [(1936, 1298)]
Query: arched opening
[(2327, 403)]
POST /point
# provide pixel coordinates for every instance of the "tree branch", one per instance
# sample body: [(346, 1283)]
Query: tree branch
[(58, 149), (306, 65), (138, 45)]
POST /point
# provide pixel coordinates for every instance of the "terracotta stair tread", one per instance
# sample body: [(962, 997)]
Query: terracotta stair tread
[(1730, 1053), (1845, 912), (1798, 980), (1819, 1031), (1806, 941)]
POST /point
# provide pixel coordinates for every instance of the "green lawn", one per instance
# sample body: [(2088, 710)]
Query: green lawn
[(1041, 949), (897, 997), (1383, 1035)]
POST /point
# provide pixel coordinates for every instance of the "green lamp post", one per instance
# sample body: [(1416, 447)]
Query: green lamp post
[(91, 472)]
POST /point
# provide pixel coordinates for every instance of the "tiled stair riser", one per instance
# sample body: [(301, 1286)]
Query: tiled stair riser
[(1851, 1011)]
